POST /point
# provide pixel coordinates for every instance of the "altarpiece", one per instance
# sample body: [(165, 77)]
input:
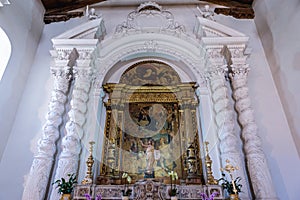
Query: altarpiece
[(152, 116)]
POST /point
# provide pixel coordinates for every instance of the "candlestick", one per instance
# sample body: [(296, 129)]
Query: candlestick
[(90, 161), (210, 178)]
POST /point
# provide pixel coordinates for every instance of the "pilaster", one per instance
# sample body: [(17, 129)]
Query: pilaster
[(224, 115), (38, 178), (256, 161)]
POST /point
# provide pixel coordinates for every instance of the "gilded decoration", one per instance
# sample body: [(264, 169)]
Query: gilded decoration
[(145, 121)]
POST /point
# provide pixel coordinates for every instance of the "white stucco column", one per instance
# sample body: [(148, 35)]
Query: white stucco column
[(256, 161), (38, 178), (229, 145), (71, 142)]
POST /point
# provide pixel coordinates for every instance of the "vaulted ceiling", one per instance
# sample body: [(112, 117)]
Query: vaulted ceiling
[(62, 10)]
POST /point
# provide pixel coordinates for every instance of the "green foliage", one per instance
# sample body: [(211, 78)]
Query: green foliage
[(66, 187), (173, 192), (228, 186)]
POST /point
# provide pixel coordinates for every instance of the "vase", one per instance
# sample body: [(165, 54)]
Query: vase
[(125, 198), (174, 198), (234, 197), (65, 197)]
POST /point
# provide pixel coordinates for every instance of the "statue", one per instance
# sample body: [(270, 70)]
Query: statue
[(150, 160), (206, 13)]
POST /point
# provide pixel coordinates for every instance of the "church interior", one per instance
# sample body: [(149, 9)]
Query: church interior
[(150, 99)]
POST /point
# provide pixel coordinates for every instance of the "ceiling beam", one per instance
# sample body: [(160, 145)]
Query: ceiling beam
[(63, 10)]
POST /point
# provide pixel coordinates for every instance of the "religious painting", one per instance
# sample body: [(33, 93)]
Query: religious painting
[(151, 139), (150, 73)]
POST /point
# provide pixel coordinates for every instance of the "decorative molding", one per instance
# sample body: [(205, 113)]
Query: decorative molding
[(147, 189), (162, 46), (141, 21)]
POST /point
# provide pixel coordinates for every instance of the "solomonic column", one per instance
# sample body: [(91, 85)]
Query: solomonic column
[(38, 178), (224, 116), (255, 157), (71, 142)]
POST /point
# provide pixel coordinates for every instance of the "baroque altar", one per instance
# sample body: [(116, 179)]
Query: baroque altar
[(150, 130), (172, 93)]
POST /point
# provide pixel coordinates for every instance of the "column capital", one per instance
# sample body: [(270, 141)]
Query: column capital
[(216, 65), (238, 59), (214, 54)]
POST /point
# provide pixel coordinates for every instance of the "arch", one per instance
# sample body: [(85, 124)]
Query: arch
[(5, 51), (186, 54)]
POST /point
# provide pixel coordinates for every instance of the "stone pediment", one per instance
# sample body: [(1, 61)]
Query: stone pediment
[(86, 33), (212, 32)]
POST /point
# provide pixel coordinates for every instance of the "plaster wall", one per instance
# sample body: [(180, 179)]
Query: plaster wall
[(278, 26), (268, 109), (274, 129), (22, 22)]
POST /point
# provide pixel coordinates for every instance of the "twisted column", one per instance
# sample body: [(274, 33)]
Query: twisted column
[(71, 142), (224, 117), (38, 178), (256, 161)]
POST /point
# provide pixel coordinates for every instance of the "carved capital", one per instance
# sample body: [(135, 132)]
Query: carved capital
[(60, 54), (216, 66), (85, 53), (215, 54), (82, 73), (217, 73), (239, 72), (61, 72)]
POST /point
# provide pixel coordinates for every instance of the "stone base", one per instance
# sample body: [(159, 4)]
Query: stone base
[(147, 189)]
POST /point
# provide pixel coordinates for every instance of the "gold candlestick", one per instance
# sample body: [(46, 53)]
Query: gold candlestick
[(210, 178), (90, 161)]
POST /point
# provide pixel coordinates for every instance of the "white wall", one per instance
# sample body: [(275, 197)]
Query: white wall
[(23, 23), (273, 126), (278, 26)]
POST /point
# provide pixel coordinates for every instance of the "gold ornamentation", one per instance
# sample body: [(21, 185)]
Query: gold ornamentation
[(230, 169), (90, 161), (210, 178)]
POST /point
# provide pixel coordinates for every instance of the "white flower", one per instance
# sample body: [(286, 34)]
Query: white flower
[(125, 175), (173, 175), (129, 179)]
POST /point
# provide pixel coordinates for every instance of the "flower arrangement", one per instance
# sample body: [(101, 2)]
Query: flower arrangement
[(127, 191), (88, 197), (66, 187), (232, 187), (211, 197), (173, 176)]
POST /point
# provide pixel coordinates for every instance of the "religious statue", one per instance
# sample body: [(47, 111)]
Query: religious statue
[(150, 160)]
